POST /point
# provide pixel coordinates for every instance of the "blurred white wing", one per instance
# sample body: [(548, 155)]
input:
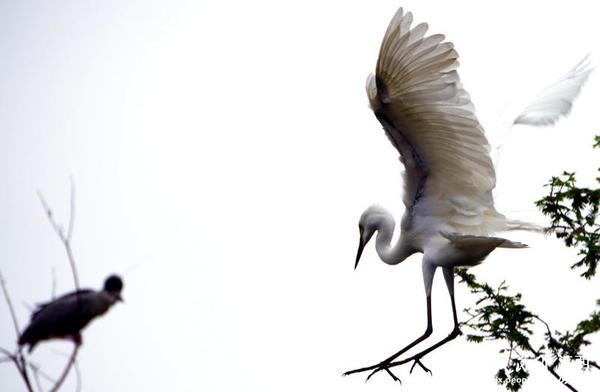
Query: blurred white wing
[(417, 96), (557, 99)]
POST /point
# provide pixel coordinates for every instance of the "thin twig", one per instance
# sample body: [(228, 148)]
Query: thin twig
[(77, 376), (75, 368), (20, 363), (473, 317), (570, 352), (10, 305), (44, 375), (72, 214), (18, 359), (9, 357), (67, 368), (23, 370), (510, 353), (36, 378), (550, 369), (65, 239), (7, 353)]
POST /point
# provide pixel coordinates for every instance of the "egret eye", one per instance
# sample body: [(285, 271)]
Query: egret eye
[(361, 230)]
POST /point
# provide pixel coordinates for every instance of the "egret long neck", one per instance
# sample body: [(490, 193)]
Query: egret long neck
[(392, 254)]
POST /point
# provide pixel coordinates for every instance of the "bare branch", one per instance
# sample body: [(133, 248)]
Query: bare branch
[(77, 375), (67, 368), (20, 363), (50, 217), (25, 377), (23, 370), (550, 369), (66, 240), (75, 365), (36, 378), (9, 356), (552, 339), (45, 376), (10, 305), (18, 359), (60, 232), (6, 352), (72, 214)]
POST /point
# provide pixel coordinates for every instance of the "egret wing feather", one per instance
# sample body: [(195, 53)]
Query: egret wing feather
[(469, 250), (428, 116), (556, 100)]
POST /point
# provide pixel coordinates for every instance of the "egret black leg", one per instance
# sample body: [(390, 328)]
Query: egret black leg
[(417, 357), (425, 335), (449, 277), (456, 327), (383, 364), (428, 273)]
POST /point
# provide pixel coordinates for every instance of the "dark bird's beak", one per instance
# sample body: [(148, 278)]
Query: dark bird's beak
[(361, 247)]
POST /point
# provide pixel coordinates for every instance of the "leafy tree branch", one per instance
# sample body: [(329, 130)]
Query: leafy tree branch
[(499, 315)]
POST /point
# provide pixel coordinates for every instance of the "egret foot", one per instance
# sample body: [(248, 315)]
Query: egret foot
[(383, 366), (455, 332), (418, 362), (374, 368), (378, 369), (392, 375)]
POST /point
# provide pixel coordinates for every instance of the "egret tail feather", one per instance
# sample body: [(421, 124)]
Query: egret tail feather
[(524, 226)]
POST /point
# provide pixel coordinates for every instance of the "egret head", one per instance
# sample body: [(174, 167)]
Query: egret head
[(113, 286), (373, 219)]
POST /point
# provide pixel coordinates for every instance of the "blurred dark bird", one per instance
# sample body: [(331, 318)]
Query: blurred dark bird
[(66, 316)]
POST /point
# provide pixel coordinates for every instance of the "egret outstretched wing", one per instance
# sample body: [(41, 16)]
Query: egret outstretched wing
[(417, 96), (557, 99)]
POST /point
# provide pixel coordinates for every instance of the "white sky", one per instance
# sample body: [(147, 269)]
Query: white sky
[(223, 153)]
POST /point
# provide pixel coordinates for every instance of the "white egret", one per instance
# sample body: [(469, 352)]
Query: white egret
[(449, 177), (66, 316)]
